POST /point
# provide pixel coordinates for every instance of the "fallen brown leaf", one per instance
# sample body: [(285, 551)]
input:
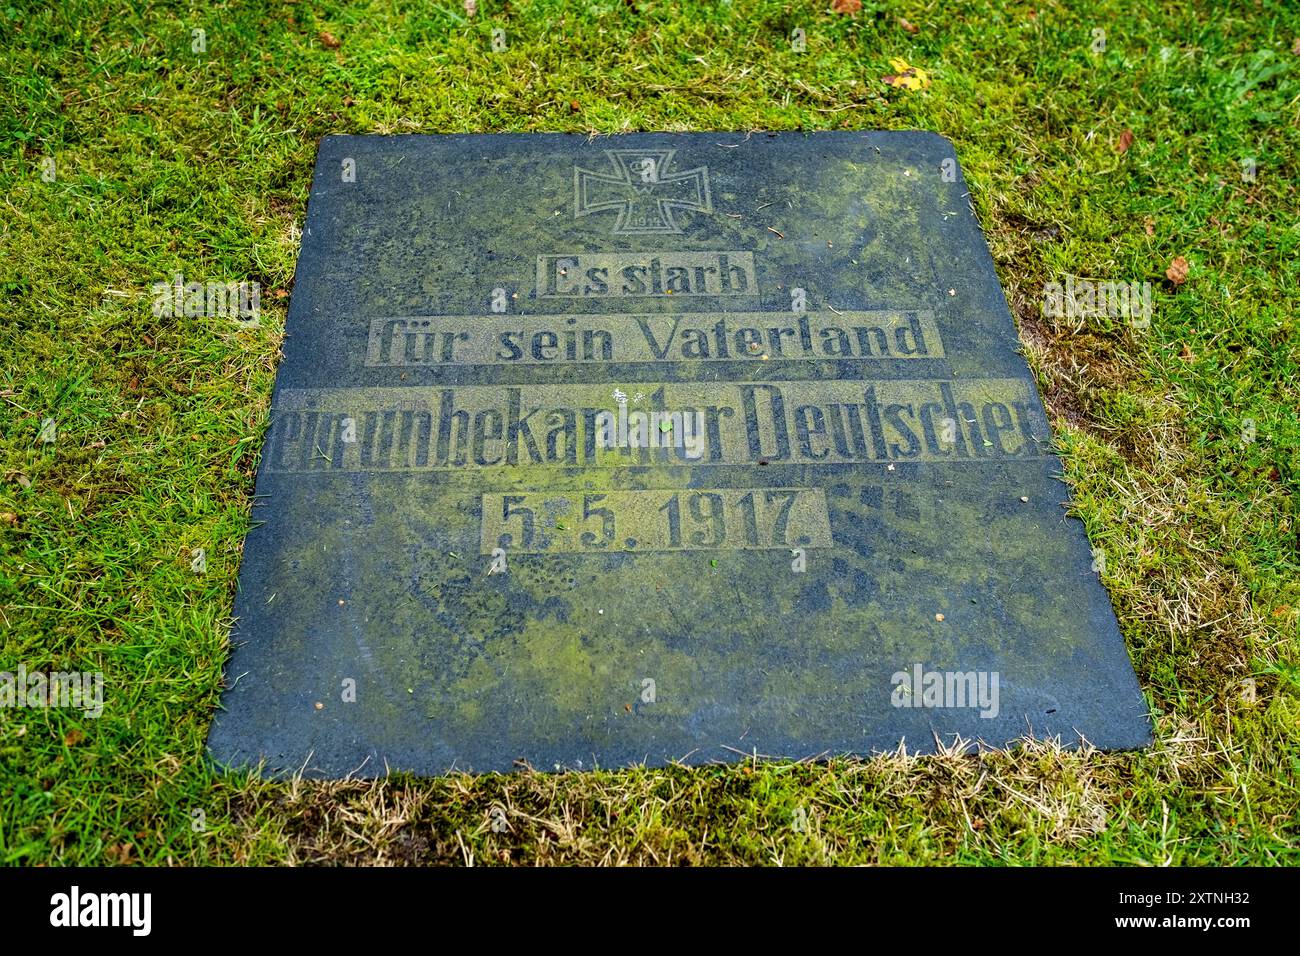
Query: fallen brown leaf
[(846, 6), (1150, 225), (73, 737), (1187, 354), (1177, 271), (8, 517), (1125, 141), (1295, 47), (121, 852), (328, 40), (908, 25)]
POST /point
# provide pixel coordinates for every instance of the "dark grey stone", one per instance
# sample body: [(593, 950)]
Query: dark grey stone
[(888, 437)]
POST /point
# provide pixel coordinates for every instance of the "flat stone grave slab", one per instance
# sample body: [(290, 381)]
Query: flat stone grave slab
[(589, 452)]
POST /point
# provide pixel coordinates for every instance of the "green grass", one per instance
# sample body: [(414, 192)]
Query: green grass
[(173, 161)]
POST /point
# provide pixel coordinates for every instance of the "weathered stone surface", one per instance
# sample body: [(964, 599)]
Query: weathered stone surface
[(452, 570)]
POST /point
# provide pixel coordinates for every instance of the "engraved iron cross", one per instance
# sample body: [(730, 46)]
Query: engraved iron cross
[(642, 189)]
